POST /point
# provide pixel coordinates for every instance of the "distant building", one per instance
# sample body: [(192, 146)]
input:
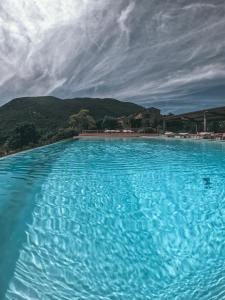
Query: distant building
[(149, 117)]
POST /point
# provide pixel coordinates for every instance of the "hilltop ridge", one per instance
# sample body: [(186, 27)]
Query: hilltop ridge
[(49, 113)]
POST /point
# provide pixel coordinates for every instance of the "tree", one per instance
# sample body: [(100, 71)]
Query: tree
[(22, 136), (82, 120), (109, 123)]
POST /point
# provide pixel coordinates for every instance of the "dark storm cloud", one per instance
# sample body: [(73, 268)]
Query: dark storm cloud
[(164, 53)]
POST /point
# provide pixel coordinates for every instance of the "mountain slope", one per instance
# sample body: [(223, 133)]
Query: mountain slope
[(50, 113)]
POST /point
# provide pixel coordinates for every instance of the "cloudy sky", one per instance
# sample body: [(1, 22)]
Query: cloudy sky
[(163, 53)]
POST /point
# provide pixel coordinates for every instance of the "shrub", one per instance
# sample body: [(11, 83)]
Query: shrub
[(147, 130), (48, 136), (22, 136), (65, 133)]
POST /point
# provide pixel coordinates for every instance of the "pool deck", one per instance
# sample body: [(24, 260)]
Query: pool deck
[(193, 137), (116, 135)]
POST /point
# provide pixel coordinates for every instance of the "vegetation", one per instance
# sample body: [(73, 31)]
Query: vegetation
[(49, 114), (62, 134), (23, 135), (110, 123), (50, 119), (180, 126), (26, 136), (82, 120), (218, 126), (147, 130)]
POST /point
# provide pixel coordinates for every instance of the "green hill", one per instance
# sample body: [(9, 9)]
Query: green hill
[(50, 113)]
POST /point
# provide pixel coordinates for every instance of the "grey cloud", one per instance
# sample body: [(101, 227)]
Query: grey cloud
[(169, 54)]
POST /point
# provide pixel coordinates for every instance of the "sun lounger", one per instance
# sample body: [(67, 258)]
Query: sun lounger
[(128, 131), (169, 134), (184, 134)]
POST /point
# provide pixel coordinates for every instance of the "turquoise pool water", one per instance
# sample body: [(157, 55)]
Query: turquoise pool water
[(114, 219)]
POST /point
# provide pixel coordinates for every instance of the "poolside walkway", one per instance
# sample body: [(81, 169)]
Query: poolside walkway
[(117, 134), (169, 135)]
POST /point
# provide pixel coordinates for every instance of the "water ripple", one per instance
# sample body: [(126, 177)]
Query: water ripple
[(120, 220)]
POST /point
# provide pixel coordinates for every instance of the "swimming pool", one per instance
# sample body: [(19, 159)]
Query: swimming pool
[(114, 219)]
